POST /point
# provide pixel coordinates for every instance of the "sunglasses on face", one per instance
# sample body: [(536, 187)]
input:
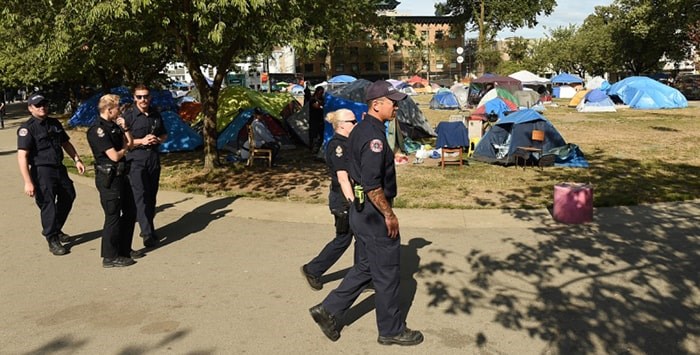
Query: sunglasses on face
[(142, 97), (42, 104), (353, 121)]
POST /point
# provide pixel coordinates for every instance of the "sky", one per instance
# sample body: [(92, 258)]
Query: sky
[(566, 12)]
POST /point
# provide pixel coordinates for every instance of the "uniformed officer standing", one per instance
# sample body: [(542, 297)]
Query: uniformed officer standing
[(148, 131), (109, 139), (40, 144), (375, 225), (339, 198)]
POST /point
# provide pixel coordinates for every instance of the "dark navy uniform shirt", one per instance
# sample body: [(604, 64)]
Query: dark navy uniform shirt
[(102, 136), (337, 160), (371, 158), (142, 125), (43, 139)]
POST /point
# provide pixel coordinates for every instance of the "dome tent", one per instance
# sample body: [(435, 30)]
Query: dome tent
[(644, 93)]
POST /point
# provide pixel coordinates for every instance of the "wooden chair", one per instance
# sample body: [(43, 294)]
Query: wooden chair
[(257, 153), (447, 157), (532, 153)]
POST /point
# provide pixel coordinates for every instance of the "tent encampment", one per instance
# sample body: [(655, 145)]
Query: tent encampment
[(498, 92), (444, 100), (527, 98), (496, 107), (578, 97), (236, 130), (644, 93), (461, 92), (234, 98), (563, 92), (513, 131)]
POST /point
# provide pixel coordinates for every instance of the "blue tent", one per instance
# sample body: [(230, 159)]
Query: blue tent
[(234, 127), (87, 112), (513, 131), (643, 93), (566, 78), (444, 100), (181, 137), (342, 79)]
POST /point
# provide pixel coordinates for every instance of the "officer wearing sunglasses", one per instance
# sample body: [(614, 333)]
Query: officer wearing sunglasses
[(148, 131), (41, 142)]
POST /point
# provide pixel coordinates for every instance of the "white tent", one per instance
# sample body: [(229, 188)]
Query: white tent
[(528, 78), (564, 91), (595, 82)]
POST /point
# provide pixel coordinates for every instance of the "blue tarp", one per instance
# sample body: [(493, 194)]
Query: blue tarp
[(497, 106), (342, 79), (643, 93), (230, 133), (451, 134), (181, 137), (566, 78), (444, 100)]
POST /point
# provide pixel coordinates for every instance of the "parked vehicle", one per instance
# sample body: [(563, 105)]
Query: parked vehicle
[(689, 86)]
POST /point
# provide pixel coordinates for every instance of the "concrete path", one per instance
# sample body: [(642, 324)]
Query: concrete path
[(227, 280)]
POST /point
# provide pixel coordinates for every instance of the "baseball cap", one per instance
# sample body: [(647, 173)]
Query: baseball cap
[(383, 88), (36, 99)]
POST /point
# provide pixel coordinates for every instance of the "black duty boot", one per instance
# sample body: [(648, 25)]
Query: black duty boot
[(326, 321), (407, 337), (55, 246), (313, 281)]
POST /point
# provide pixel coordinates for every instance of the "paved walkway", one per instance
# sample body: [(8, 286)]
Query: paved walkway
[(227, 280)]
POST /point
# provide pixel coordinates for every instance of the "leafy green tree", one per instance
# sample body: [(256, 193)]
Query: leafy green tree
[(491, 16)]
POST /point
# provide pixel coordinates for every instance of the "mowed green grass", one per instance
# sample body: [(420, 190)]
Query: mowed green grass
[(635, 157)]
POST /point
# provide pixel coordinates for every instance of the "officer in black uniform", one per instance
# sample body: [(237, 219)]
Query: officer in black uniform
[(109, 139), (375, 225), (339, 198), (148, 131), (40, 144)]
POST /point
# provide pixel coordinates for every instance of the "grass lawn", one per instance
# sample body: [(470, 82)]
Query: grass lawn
[(635, 157)]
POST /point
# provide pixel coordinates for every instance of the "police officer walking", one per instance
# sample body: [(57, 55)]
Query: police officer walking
[(339, 198), (148, 131), (375, 225), (40, 145), (109, 140)]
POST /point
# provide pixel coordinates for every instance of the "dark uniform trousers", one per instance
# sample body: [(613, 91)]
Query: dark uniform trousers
[(54, 193), (379, 258), (118, 204), (334, 249), (145, 177)]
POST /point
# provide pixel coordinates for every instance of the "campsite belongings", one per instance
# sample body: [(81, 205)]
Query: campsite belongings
[(573, 203), (500, 143), (236, 133), (644, 93)]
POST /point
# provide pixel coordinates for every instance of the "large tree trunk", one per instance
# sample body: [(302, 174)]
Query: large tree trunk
[(209, 109)]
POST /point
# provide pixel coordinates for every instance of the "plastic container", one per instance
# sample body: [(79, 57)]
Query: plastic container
[(573, 203)]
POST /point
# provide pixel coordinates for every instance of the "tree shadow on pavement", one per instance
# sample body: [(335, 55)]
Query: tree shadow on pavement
[(410, 265), (627, 284), (194, 221)]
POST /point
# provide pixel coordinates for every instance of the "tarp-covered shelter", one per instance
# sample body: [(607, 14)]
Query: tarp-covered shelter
[(412, 121), (644, 93), (515, 130), (236, 131), (498, 107), (234, 98), (529, 78), (566, 78), (181, 137), (444, 100), (527, 98), (597, 82), (506, 82), (578, 97), (461, 92)]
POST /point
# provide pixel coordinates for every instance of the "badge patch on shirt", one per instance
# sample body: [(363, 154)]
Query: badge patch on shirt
[(23, 132), (100, 132), (338, 151), (376, 145)]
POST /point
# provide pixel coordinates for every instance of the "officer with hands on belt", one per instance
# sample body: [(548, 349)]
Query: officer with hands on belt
[(374, 224), (40, 145), (147, 128), (109, 138), (339, 198)]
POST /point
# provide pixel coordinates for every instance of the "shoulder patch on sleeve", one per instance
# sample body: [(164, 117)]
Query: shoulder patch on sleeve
[(376, 145), (100, 132), (22, 132), (338, 151)]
